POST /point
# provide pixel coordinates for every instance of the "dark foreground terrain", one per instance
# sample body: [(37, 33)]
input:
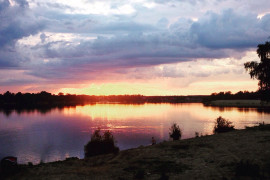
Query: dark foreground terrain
[(240, 154)]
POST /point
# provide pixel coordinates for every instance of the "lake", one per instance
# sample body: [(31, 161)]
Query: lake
[(35, 136)]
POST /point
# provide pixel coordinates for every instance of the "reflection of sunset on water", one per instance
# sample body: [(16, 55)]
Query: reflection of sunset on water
[(155, 119), (63, 132), (119, 111)]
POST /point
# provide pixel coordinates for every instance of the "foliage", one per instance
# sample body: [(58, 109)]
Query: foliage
[(261, 70), (175, 132), (243, 95), (196, 134), (100, 144), (43, 99), (223, 125)]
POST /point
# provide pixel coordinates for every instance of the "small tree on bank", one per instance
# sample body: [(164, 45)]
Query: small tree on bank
[(261, 70), (100, 144), (223, 125), (175, 132)]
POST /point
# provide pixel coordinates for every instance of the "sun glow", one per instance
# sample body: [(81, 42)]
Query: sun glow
[(120, 89), (172, 86), (115, 111)]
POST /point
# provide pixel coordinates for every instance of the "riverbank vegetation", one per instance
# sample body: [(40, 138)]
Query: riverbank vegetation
[(223, 125), (44, 101), (44, 98), (175, 132), (261, 70), (220, 156), (100, 144)]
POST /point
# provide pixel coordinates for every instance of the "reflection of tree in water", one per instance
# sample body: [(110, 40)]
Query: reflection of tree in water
[(264, 110), (221, 108), (239, 109), (246, 109), (20, 110), (30, 109), (6, 112)]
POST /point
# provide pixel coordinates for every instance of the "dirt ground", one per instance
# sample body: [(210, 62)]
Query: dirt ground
[(241, 154)]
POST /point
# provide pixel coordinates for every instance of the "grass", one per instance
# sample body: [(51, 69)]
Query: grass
[(163, 176), (247, 169), (156, 166), (260, 127), (180, 146), (139, 174)]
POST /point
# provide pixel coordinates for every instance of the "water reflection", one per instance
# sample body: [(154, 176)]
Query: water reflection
[(240, 109), (42, 109), (60, 132)]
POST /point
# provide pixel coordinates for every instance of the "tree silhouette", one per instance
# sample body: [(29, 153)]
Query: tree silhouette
[(261, 70), (175, 132), (100, 144), (223, 125)]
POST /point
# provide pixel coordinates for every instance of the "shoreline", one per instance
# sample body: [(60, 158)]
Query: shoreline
[(213, 156), (238, 103)]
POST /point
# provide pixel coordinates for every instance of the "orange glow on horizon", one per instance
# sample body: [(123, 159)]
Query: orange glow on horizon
[(154, 89)]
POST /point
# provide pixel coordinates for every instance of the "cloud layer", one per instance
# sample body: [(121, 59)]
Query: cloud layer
[(58, 42)]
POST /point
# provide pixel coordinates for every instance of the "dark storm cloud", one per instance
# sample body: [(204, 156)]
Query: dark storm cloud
[(120, 41), (230, 30), (98, 24), (12, 81), (15, 24), (265, 23), (129, 45), (184, 39)]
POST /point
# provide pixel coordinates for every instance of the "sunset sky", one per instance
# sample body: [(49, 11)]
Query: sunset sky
[(148, 47)]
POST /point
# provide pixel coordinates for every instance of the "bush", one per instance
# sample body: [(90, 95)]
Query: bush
[(175, 132), (196, 134), (223, 125), (100, 144)]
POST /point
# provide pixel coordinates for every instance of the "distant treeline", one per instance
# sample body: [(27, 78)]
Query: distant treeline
[(43, 99), (241, 95)]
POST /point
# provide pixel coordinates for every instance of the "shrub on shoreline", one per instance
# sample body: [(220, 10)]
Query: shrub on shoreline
[(175, 132), (223, 125), (100, 144)]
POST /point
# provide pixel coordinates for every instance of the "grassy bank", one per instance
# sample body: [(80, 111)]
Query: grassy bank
[(238, 103), (234, 155)]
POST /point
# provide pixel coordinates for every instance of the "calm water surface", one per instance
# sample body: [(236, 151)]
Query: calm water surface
[(60, 133)]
